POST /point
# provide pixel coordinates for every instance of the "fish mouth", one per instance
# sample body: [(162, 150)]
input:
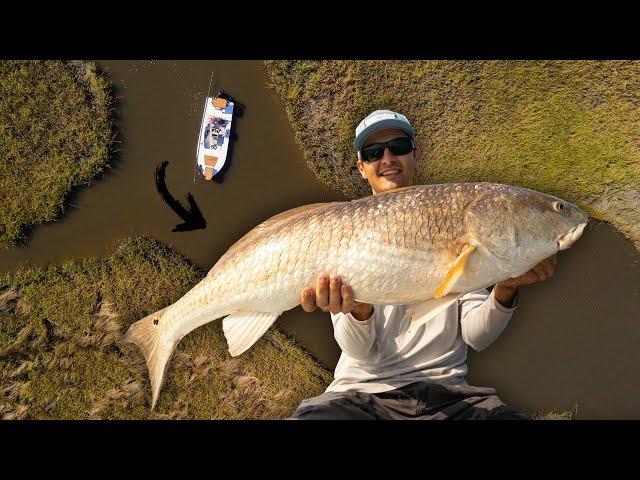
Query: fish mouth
[(568, 239)]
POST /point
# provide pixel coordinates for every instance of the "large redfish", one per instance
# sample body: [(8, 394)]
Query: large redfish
[(424, 245)]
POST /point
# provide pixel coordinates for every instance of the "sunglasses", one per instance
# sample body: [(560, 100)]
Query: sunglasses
[(397, 146)]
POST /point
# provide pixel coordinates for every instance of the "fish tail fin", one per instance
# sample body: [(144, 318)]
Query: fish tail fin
[(156, 349)]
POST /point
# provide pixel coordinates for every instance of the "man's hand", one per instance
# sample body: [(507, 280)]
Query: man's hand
[(505, 291), (333, 296)]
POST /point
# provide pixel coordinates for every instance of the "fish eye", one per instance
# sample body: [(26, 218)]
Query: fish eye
[(558, 206)]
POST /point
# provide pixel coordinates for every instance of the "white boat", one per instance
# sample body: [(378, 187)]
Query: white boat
[(214, 138)]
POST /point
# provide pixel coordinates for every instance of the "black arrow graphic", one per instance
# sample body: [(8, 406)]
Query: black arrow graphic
[(193, 219)]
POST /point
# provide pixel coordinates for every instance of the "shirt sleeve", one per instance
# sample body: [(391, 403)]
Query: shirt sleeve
[(355, 338), (483, 318)]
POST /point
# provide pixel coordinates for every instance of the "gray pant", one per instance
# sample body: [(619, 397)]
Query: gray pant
[(416, 401)]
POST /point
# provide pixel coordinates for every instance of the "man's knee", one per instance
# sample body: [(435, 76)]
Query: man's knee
[(333, 406)]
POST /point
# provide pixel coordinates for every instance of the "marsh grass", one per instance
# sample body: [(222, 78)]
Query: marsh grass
[(61, 354), (556, 415), (55, 135), (567, 128), (553, 416)]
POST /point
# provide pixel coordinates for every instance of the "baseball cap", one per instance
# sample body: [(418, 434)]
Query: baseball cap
[(379, 120)]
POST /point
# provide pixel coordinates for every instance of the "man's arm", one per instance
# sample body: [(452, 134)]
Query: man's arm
[(353, 322), (484, 317)]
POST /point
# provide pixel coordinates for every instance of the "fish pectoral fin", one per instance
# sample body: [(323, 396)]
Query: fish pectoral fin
[(454, 272), (243, 329), (422, 312)]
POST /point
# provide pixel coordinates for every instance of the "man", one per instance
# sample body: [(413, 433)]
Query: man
[(385, 370)]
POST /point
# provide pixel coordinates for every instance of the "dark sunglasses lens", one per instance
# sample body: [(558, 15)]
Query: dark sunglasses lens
[(372, 154), (397, 146), (400, 146)]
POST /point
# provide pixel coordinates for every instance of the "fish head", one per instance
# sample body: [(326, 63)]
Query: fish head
[(521, 227)]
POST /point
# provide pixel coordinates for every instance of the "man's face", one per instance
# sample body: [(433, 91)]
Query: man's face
[(390, 171)]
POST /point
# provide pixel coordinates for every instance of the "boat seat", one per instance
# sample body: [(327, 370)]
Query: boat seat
[(220, 103), (210, 161), (208, 173)]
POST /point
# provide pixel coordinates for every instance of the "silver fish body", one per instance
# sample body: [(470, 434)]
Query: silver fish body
[(399, 247)]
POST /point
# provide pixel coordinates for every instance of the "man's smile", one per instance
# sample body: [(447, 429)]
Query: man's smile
[(389, 172)]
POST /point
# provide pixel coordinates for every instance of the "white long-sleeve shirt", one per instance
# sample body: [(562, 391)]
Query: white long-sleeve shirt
[(380, 353)]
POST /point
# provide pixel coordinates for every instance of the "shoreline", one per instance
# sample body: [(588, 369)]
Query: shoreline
[(59, 137)]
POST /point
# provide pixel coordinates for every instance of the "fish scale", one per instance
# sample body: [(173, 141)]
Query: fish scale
[(411, 245)]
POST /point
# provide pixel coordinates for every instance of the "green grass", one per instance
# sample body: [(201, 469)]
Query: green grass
[(61, 354), (55, 135), (568, 128)]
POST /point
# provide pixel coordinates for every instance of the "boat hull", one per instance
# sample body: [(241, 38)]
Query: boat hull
[(215, 136)]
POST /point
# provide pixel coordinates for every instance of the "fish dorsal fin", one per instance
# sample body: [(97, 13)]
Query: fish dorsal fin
[(243, 329), (259, 230), (455, 271), (291, 213), (422, 312)]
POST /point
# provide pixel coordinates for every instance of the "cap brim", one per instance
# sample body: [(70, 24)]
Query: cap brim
[(382, 125)]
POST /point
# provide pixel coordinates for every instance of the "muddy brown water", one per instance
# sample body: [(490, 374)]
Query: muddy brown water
[(574, 343)]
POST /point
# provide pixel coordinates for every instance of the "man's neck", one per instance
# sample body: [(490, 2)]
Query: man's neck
[(391, 189)]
